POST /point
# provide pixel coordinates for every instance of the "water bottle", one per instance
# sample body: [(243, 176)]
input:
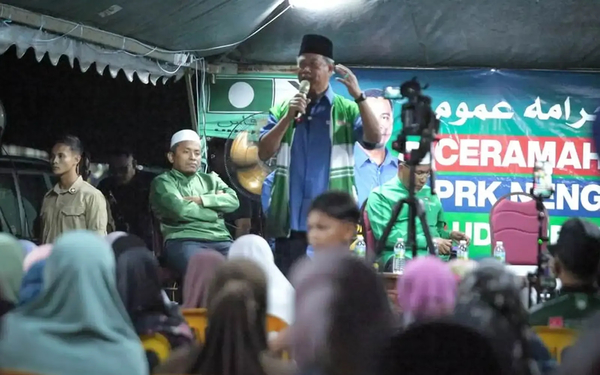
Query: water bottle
[(499, 252), (360, 249), (436, 250), (399, 257), (463, 250)]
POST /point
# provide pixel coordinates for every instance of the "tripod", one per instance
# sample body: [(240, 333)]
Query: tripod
[(415, 210), (539, 279)]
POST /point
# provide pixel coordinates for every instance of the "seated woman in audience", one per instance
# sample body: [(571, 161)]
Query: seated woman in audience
[(140, 289), (11, 271), (127, 242), (33, 266), (332, 221), (236, 340), (489, 300), (27, 246), (280, 301), (77, 325), (343, 317), (461, 268), (113, 236), (426, 291), (200, 271)]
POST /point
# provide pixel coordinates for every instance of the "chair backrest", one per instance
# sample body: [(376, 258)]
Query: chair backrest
[(157, 237), (157, 344), (367, 231), (197, 319), (274, 326), (516, 225), (556, 339)]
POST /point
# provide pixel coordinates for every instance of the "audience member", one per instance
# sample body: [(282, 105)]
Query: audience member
[(140, 289), (112, 237), (11, 268), (39, 253), (33, 282), (27, 246), (78, 324), (126, 243), (343, 317), (332, 221), (576, 257), (280, 301), (236, 340), (461, 267), (489, 301), (201, 269), (426, 290)]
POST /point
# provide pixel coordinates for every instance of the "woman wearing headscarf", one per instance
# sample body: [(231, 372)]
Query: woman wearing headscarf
[(426, 291), (78, 324), (236, 342), (281, 292), (200, 271), (127, 242), (11, 270), (113, 236), (461, 268), (140, 289), (343, 316), (27, 246), (489, 301), (33, 266)]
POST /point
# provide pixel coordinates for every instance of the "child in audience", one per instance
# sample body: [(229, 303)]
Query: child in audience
[(332, 221)]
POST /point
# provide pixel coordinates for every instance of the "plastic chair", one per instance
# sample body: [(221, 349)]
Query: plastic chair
[(516, 225), (556, 339), (158, 344), (274, 326), (197, 319)]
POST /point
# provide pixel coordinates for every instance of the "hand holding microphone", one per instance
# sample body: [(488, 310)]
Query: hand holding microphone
[(299, 102)]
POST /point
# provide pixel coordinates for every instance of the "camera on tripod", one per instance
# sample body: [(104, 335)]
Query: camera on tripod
[(418, 121)]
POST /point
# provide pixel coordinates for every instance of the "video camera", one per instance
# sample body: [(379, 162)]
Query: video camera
[(418, 120)]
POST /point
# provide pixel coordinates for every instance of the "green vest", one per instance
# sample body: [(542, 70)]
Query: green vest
[(341, 172)]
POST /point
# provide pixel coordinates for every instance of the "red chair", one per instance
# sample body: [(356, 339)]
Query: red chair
[(367, 231), (516, 225)]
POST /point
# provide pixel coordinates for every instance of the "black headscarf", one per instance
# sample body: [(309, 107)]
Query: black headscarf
[(126, 243), (140, 289)]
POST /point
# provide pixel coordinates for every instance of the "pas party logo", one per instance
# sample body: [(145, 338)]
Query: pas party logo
[(248, 95)]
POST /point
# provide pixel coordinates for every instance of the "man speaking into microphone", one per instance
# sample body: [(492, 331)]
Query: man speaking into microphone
[(313, 136)]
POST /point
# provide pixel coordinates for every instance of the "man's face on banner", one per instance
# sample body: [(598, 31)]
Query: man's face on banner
[(382, 108)]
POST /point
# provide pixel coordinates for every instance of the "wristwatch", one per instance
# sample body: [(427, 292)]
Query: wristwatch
[(361, 98)]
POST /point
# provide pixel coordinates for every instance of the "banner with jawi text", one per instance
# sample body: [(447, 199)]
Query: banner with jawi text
[(494, 125)]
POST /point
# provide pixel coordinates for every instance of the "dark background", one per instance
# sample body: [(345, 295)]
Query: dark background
[(43, 102)]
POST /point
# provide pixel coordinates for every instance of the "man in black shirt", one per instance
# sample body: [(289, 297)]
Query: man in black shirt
[(127, 190)]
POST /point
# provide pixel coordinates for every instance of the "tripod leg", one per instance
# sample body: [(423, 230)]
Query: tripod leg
[(421, 215)]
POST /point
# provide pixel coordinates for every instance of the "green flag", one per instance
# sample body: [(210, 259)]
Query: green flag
[(235, 95)]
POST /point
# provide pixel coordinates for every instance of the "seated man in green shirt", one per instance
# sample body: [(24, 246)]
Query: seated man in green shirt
[(190, 205), (382, 200), (576, 257)]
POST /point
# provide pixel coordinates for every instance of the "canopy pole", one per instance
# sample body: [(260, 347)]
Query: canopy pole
[(191, 100)]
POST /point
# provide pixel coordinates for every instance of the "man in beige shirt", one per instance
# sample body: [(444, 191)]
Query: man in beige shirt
[(72, 203)]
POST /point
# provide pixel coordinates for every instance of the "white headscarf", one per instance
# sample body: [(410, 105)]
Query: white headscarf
[(281, 294)]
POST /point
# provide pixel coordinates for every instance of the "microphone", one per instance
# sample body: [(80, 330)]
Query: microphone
[(304, 89)]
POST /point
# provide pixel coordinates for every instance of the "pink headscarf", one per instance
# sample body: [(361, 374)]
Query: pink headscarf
[(427, 289), (39, 253)]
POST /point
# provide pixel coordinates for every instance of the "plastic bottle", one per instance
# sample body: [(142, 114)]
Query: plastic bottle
[(360, 249), (499, 252), (399, 257), (463, 250)]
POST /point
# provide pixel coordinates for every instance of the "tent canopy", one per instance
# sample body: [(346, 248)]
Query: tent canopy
[(528, 34)]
